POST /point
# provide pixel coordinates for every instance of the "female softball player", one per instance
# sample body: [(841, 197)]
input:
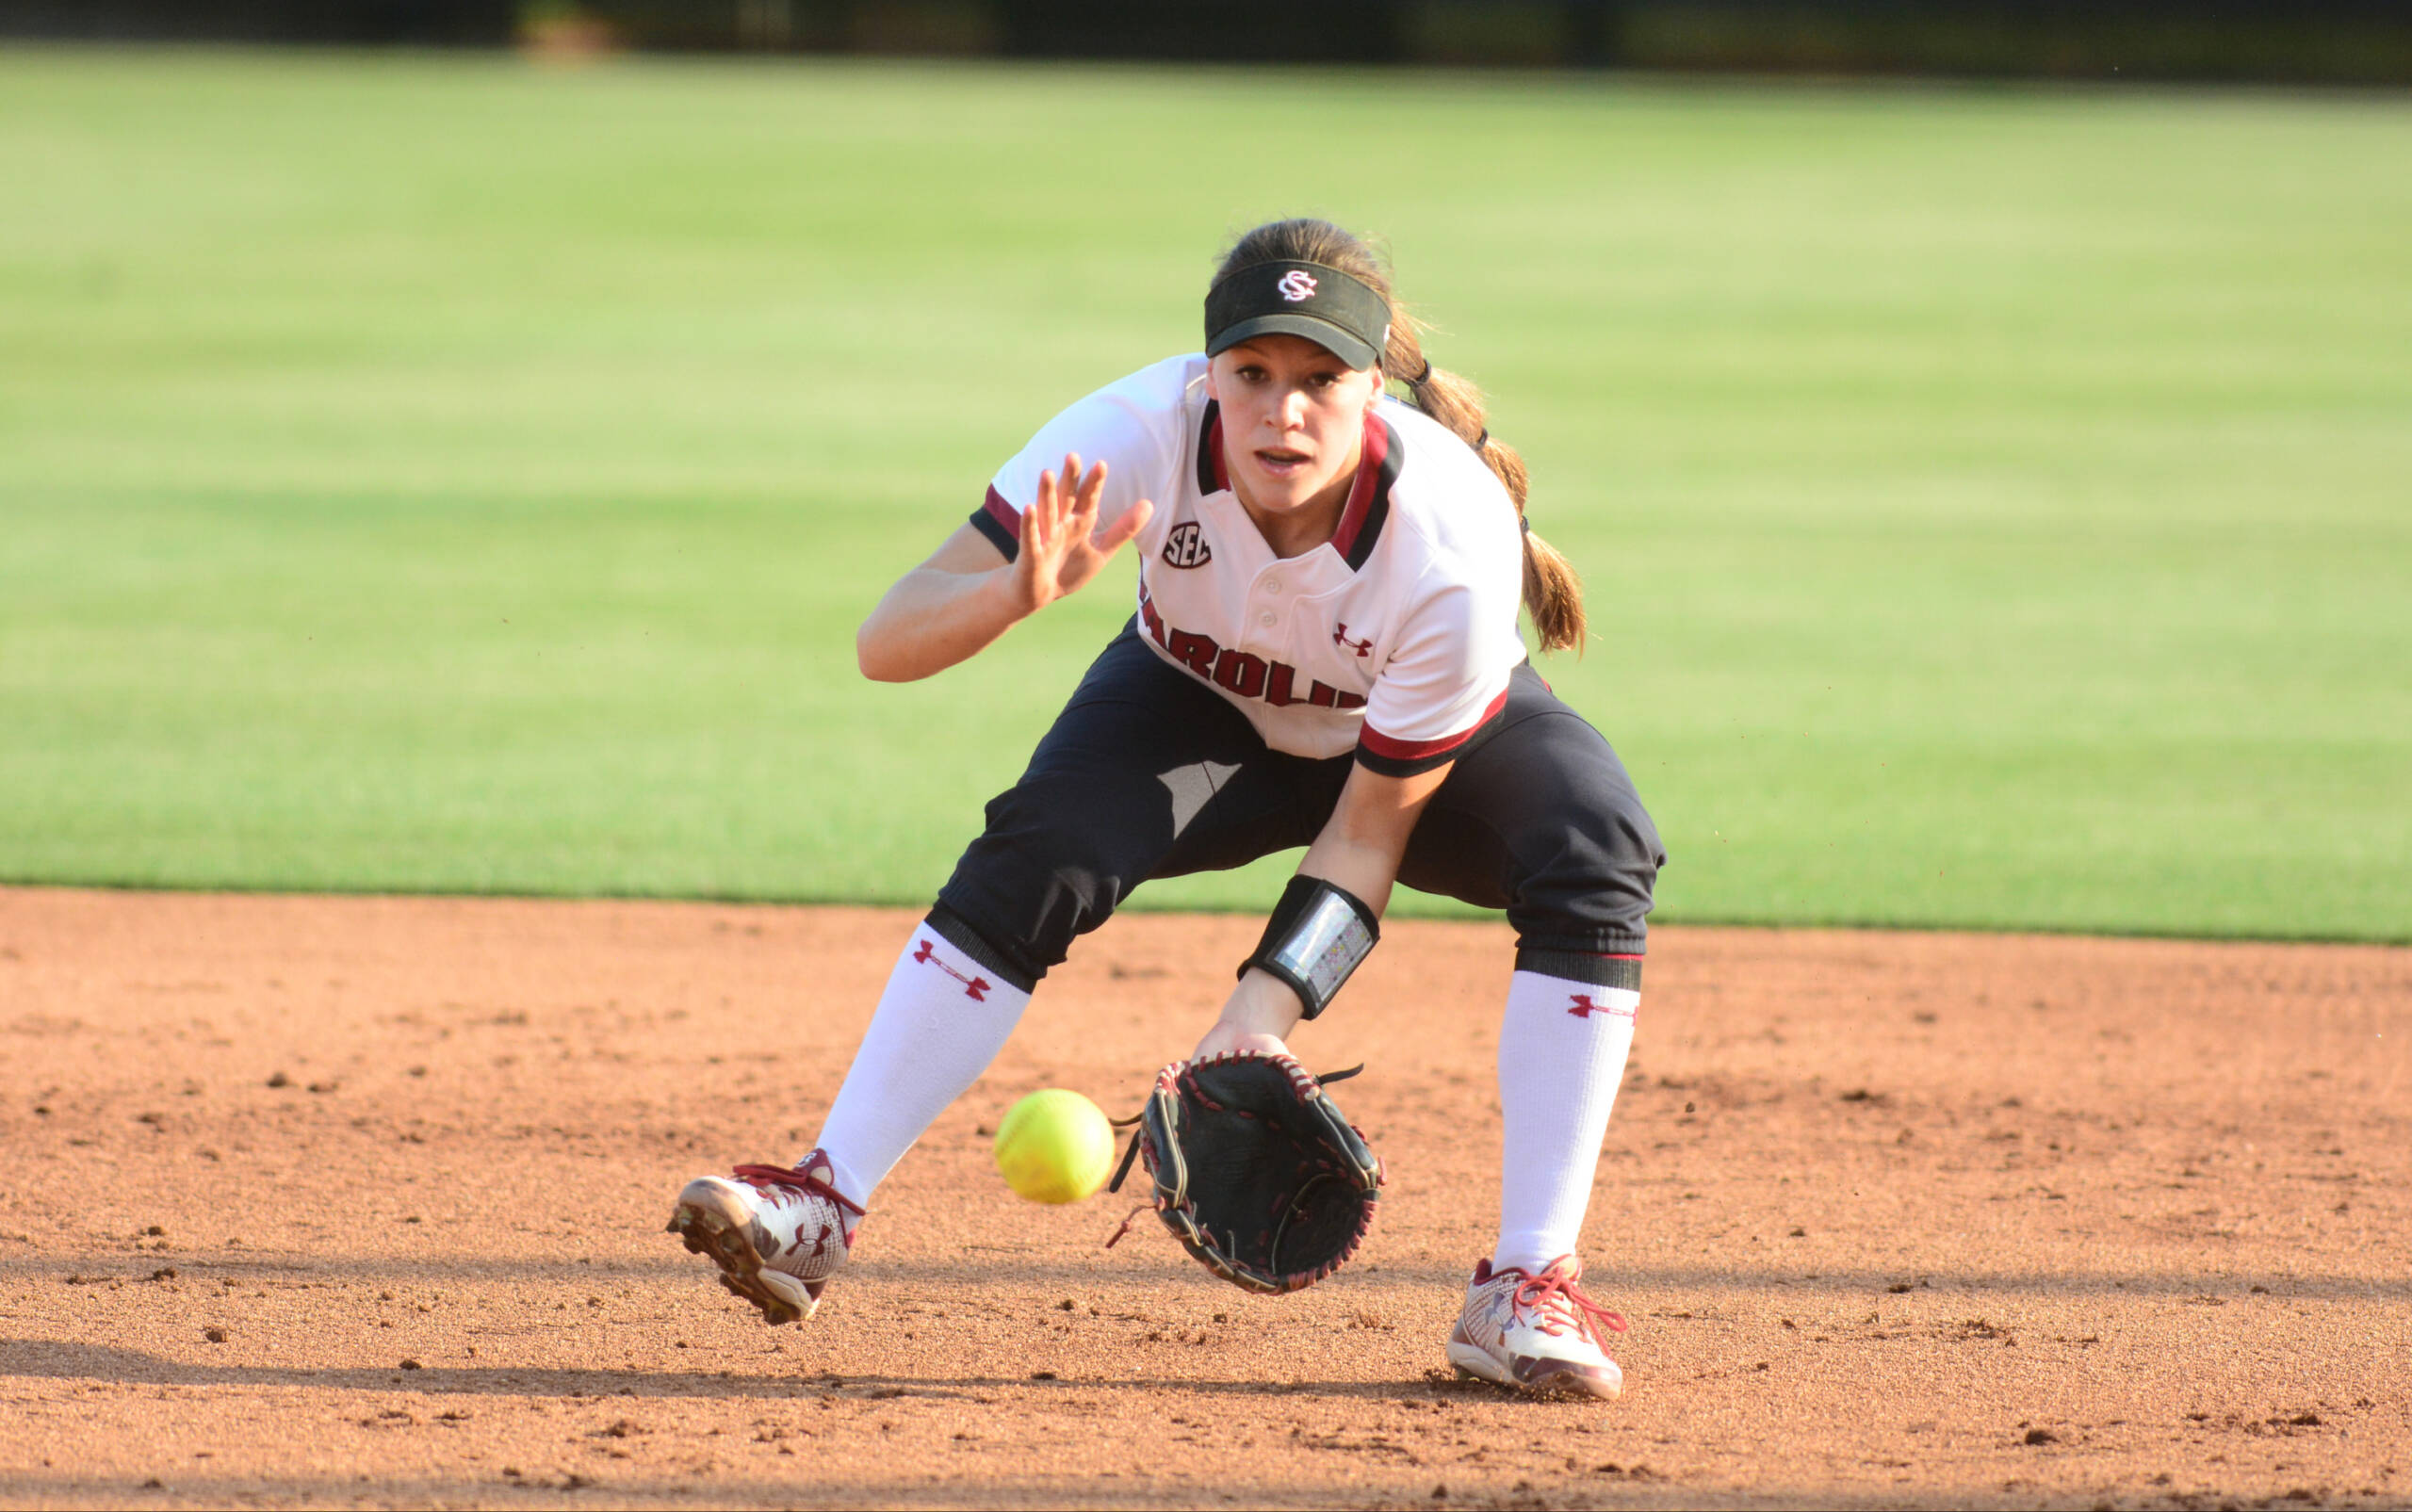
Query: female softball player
[(1326, 654)]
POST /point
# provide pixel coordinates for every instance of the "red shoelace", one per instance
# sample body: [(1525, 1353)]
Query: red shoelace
[(796, 1180), (1537, 1294)]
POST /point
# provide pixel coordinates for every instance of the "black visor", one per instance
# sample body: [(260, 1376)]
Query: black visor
[(1344, 316)]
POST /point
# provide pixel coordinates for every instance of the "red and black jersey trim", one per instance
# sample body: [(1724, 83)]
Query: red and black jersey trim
[(1369, 498), (1000, 522), (1379, 753), (1210, 451)]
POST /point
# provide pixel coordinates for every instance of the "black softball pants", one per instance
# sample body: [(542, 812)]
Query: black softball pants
[(1148, 773)]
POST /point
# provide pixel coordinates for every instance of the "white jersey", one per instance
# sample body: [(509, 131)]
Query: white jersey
[(1395, 638)]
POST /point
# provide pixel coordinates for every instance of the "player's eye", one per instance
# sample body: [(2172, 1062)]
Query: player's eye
[(1250, 373)]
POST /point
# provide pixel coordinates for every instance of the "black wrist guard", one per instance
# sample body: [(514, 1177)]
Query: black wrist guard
[(1318, 936)]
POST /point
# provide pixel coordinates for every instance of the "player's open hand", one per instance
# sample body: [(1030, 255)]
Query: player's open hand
[(1227, 1038), (1261, 1011), (1062, 545)]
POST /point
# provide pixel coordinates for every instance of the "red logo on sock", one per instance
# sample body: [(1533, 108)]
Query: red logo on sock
[(1583, 1007), (975, 989)]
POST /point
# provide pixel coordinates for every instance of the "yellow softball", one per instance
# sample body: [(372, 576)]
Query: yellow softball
[(1055, 1146)]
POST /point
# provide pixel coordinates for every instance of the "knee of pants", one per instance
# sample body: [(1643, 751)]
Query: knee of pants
[(1587, 886), (1055, 860)]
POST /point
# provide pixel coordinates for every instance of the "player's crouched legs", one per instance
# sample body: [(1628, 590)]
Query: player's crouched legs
[(777, 1234), (1060, 850), (1543, 822)]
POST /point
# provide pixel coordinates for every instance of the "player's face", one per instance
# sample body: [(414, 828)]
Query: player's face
[(1293, 421)]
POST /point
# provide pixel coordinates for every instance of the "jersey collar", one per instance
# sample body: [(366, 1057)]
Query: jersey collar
[(1368, 508)]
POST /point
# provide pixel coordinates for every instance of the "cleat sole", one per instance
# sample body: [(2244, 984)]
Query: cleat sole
[(1573, 1385), (704, 1225), (1475, 1363)]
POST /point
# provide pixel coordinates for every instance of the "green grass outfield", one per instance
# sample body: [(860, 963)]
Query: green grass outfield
[(454, 474)]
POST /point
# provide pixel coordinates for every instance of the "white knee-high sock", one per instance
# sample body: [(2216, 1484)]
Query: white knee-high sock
[(1562, 1048), (942, 1019)]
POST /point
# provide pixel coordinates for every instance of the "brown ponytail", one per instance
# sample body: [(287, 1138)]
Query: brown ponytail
[(1553, 593)]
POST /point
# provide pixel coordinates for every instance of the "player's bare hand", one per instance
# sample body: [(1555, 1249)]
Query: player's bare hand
[(1062, 545), (1225, 1037), (1260, 1010)]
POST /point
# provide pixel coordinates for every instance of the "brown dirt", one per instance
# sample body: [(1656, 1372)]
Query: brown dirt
[(336, 1201)]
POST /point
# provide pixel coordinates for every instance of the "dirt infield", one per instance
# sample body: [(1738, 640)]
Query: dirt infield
[(359, 1201)]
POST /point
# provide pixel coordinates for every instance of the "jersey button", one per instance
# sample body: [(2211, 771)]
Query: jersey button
[(1267, 619), (1272, 585)]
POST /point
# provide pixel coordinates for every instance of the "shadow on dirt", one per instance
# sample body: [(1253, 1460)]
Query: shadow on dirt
[(1847, 1282), (989, 1490), (53, 1359), (1850, 1282)]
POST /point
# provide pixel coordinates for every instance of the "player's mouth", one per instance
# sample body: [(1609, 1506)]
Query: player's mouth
[(1281, 462)]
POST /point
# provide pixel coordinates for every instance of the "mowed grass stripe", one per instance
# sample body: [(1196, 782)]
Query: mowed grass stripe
[(447, 474)]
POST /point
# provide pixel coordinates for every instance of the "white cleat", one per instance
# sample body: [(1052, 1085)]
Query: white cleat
[(1536, 1332), (777, 1234)]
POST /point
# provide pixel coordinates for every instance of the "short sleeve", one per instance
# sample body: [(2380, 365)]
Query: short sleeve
[(1134, 427), (1444, 685)]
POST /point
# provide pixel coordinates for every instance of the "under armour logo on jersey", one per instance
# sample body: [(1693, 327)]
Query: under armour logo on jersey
[(1297, 283), (1583, 1007), (975, 989), (1186, 546), (1340, 638)]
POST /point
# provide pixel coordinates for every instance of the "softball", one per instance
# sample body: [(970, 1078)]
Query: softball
[(1055, 1146)]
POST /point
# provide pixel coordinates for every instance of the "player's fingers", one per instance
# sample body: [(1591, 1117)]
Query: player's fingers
[(1123, 527), (1092, 490), (1068, 491), (1035, 519)]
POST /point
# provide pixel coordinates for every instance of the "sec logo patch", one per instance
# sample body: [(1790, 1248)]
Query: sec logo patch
[(1186, 546)]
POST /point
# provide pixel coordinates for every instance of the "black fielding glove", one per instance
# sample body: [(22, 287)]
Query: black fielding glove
[(1257, 1172)]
